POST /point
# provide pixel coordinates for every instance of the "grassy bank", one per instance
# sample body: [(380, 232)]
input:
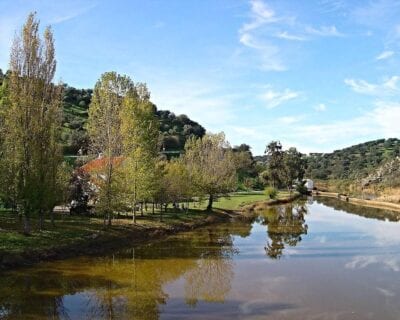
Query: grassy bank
[(73, 235)]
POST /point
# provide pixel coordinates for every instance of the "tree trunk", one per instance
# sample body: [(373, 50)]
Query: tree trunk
[(41, 222), (210, 202), (152, 209), (27, 225), (134, 214), (141, 209), (52, 218), (109, 217)]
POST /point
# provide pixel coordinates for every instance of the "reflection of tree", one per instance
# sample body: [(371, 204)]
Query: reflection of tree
[(211, 279), (128, 285), (286, 224)]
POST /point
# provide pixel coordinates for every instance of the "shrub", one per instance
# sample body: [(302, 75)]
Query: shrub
[(271, 192)]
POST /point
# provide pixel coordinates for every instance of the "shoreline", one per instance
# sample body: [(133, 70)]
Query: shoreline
[(109, 239), (106, 241), (260, 205), (361, 202)]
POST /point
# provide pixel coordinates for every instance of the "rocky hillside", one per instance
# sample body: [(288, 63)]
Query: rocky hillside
[(387, 175)]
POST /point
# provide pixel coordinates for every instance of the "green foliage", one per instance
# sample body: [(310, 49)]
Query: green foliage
[(174, 130), (354, 162), (271, 192), (30, 125), (211, 165)]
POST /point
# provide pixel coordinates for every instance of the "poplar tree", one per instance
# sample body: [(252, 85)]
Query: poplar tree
[(31, 122), (104, 129), (140, 136)]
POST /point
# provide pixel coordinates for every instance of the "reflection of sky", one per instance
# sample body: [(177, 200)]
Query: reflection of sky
[(328, 221), (362, 242)]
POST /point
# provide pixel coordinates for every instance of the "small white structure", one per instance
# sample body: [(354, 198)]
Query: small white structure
[(309, 185)]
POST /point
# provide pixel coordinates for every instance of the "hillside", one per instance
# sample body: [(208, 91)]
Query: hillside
[(355, 162), (175, 130)]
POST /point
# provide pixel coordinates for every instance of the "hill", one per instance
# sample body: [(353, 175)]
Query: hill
[(355, 162), (175, 130)]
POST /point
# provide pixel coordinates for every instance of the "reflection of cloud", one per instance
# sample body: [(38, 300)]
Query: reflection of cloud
[(386, 292), (361, 262), (262, 307)]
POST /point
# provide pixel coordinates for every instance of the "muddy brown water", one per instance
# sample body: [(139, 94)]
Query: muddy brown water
[(320, 259)]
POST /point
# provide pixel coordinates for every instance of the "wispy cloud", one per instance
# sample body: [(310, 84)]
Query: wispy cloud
[(288, 36), (320, 107), (290, 119), (63, 17), (385, 55), (324, 31), (275, 98), (266, 29), (387, 87)]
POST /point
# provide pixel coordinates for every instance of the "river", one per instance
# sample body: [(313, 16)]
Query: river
[(320, 259)]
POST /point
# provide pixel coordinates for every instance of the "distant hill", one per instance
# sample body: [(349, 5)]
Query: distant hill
[(355, 162), (175, 130)]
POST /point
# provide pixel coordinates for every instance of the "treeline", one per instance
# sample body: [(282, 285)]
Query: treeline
[(175, 129), (123, 139), (355, 162)]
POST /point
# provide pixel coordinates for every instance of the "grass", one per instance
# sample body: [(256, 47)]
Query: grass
[(73, 229)]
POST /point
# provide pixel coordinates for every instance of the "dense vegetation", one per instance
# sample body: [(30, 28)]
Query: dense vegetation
[(120, 130), (354, 162), (175, 130)]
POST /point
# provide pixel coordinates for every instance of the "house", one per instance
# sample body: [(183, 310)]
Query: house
[(309, 185)]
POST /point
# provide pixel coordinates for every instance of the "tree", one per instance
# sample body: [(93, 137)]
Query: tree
[(140, 136), (274, 164), (177, 180), (212, 169), (104, 129), (31, 122), (293, 167)]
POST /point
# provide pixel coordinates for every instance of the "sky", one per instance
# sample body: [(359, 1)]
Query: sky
[(318, 75)]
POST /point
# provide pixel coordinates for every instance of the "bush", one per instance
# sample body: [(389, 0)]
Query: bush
[(271, 192)]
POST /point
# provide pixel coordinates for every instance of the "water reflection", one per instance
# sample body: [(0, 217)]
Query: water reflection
[(128, 285), (221, 272), (286, 225)]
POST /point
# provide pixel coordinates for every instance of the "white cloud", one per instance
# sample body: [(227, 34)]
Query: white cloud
[(287, 36), (66, 16), (324, 31), (290, 119), (264, 29), (385, 55), (387, 87), (204, 103), (276, 98), (261, 14), (320, 107)]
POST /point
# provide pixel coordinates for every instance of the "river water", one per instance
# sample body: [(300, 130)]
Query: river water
[(320, 259)]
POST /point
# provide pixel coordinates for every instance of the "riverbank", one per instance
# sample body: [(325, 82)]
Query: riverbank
[(282, 198), (79, 235), (362, 202), (73, 236)]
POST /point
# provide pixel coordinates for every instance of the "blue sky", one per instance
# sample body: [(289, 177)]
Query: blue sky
[(319, 75)]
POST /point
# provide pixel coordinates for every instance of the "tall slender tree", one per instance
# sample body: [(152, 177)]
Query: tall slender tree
[(32, 121), (140, 136), (104, 129)]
